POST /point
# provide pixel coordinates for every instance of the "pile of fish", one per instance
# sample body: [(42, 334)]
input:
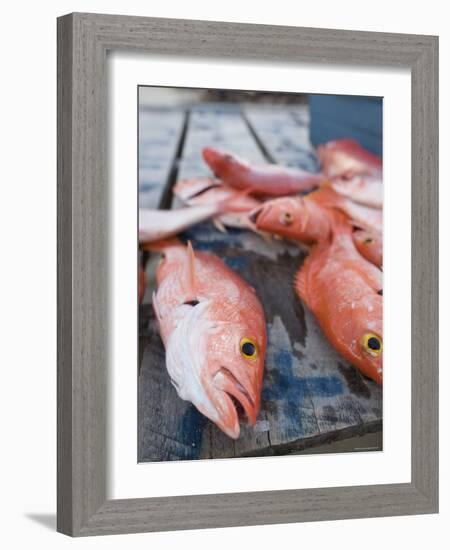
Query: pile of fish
[(211, 321)]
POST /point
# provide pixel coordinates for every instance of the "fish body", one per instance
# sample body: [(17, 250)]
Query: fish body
[(206, 191), (343, 290), (352, 171), (365, 190), (346, 158), (360, 215), (297, 218), (155, 225), (364, 217), (309, 219), (213, 329), (370, 245), (264, 180)]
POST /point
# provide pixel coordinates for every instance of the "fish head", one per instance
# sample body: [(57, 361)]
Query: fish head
[(235, 368), (223, 164), (367, 336), (286, 217), (218, 365)]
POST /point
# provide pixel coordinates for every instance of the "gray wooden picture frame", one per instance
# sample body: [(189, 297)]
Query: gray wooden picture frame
[(83, 42)]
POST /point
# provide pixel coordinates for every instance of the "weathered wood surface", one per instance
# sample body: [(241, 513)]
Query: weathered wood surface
[(160, 132), (284, 134), (310, 394), (217, 125)]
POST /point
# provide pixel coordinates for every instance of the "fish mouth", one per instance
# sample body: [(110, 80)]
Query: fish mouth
[(242, 401), (256, 214)]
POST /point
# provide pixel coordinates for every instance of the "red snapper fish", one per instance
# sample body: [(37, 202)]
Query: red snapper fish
[(357, 177), (343, 291), (213, 328), (263, 180), (156, 225), (341, 288), (310, 219)]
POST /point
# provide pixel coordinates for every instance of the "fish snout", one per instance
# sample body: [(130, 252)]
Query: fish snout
[(212, 157), (256, 216), (241, 394)]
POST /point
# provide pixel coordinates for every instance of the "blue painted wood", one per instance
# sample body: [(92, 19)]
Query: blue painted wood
[(342, 117)]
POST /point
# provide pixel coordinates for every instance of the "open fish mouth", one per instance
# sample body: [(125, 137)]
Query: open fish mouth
[(226, 381), (256, 214)]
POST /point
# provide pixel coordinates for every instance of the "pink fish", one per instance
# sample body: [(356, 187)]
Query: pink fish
[(263, 180), (156, 225), (310, 219), (369, 245), (345, 158), (343, 291), (213, 329), (352, 171), (339, 286), (365, 190)]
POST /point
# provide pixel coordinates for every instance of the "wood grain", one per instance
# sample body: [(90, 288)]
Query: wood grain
[(83, 40), (160, 133)]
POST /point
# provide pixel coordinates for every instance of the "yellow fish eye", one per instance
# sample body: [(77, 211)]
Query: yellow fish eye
[(286, 218), (249, 349), (372, 344)]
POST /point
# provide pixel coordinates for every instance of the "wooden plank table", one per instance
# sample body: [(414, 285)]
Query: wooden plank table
[(160, 132), (310, 395)]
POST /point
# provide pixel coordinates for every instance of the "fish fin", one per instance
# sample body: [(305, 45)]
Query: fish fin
[(191, 268), (219, 225)]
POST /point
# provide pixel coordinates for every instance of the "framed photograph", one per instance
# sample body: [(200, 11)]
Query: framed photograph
[(247, 274)]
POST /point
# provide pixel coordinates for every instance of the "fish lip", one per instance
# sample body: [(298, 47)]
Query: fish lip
[(256, 213), (243, 397)]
